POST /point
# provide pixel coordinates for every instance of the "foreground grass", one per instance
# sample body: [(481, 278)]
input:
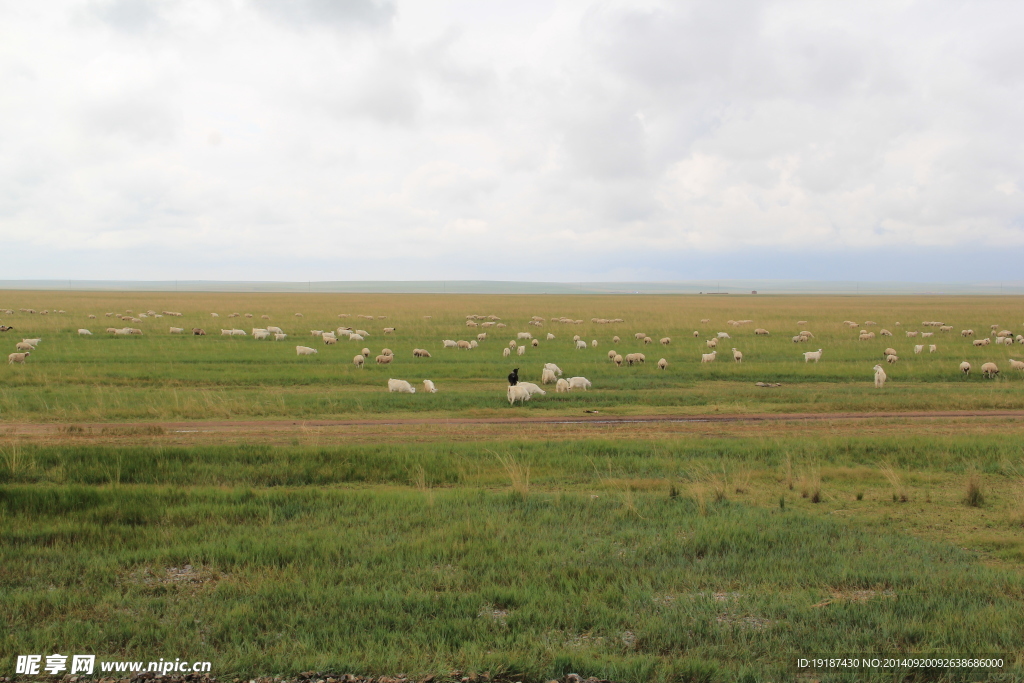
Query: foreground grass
[(536, 585)]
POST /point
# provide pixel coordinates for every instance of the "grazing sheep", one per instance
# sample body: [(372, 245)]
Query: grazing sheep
[(387, 352), (705, 320), (463, 344), (513, 377), (760, 331), (891, 359), (365, 352), (214, 315), (639, 335), (989, 370), (737, 356), (226, 333), (524, 335), (812, 355), (696, 333), (389, 330), (532, 388), (547, 377), (304, 351), (966, 333), (22, 346), (177, 330), (506, 352), (712, 343), (358, 360), (615, 339), (84, 332), (618, 360), (980, 342), (662, 364), (512, 344), (805, 333), (280, 337), (274, 330), (521, 350), (400, 386), (384, 359), (198, 332), (481, 337), (965, 368), (553, 368), (665, 341), (535, 343), (932, 348), (593, 343), (264, 317), (33, 342), (429, 387), (421, 353), (356, 337), (724, 335), (1016, 364), (911, 333), (708, 357), (579, 383), (575, 338), (517, 393), (581, 345), (630, 359), (298, 315), (263, 334), (889, 352), (449, 344), (647, 341), (927, 334), (612, 354), (18, 357), (330, 340), (639, 357), (550, 336), (884, 333), (918, 348), (92, 317), (879, 377)]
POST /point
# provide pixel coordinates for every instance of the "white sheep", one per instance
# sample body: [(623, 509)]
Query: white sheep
[(662, 364), (532, 388), (518, 393), (712, 343), (463, 344), (553, 368), (177, 330), (889, 352), (24, 346), (305, 351), (665, 341), (615, 339), (891, 359), (482, 336), (760, 331), (911, 334), (932, 348), (400, 386), (561, 386), (330, 341), (363, 333), (879, 377), (356, 337), (1016, 364), (593, 343), (274, 330), (263, 334), (226, 333), (737, 356), (449, 344), (918, 348), (965, 368), (617, 360), (648, 341), (579, 383), (365, 352), (429, 387), (84, 332), (534, 343), (524, 335), (358, 360), (989, 370), (708, 357), (812, 355), (550, 336), (506, 352), (547, 377), (639, 335), (512, 344), (521, 350), (581, 345), (696, 333), (280, 337)]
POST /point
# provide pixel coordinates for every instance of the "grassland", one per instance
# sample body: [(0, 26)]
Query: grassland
[(675, 551)]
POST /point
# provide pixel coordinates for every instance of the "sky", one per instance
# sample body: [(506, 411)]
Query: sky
[(535, 140)]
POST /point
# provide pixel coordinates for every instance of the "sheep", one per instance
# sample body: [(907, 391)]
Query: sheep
[(579, 383), (330, 341), (618, 360), (177, 330), (1017, 365), (737, 356), (304, 351), (506, 352), (534, 343), (84, 332), (389, 330), (517, 393), (387, 352), (198, 332), (33, 342), (612, 354), (662, 364), (358, 360), (449, 344), (362, 333), (807, 334), (280, 337), (576, 338), (639, 357), (429, 387), (18, 357), (365, 352), (547, 376), (879, 377), (553, 368), (521, 350), (214, 315), (965, 368), (724, 335), (665, 341), (946, 328), (532, 388), (918, 348), (263, 334), (712, 343), (512, 344), (911, 333), (265, 317), (356, 337), (22, 346), (705, 320), (550, 336), (760, 331), (471, 323), (891, 359), (980, 342), (884, 333), (932, 348), (593, 343), (889, 352), (708, 357), (226, 333), (481, 337), (384, 359), (615, 339), (647, 341), (639, 335), (631, 359), (989, 370), (812, 355), (274, 330), (581, 345), (927, 334), (463, 344), (799, 338), (421, 353), (524, 335), (696, 333), (400, 386), (966, 333), (298, 315)]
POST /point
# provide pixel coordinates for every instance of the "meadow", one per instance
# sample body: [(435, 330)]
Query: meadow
[(376, 534)]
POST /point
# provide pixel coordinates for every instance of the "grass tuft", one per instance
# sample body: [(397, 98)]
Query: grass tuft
[(900, 494), (974, 496)]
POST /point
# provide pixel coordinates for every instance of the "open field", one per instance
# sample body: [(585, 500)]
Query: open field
[(222, 499)]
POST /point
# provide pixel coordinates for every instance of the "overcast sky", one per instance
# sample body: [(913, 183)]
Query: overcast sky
[(526, 140)]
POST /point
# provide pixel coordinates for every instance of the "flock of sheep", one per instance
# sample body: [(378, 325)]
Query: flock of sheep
[(550, 373)]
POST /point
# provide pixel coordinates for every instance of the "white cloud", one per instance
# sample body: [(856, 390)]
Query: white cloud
[(381, 137)]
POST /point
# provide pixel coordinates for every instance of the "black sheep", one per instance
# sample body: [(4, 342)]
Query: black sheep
[(513, 377)]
